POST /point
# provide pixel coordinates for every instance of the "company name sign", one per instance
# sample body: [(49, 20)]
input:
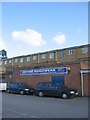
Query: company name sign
[(61, 70)]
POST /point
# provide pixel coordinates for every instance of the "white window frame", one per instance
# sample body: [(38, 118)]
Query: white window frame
[(16, 60), (0, 62), (52, 55), (10, 76), (85, 50), (0, 54), (44, 56), (71, 52), (28, 59), (35, 57), (10, 61), (5, 62), (62, 54), (21, 60)]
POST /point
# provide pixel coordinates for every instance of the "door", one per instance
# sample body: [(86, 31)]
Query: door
[(53, 90), (50, 90), (58, 79), (14, 88)]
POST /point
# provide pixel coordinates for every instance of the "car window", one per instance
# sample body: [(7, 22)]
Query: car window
[(23, 85), (16, 86), (11, 85), (40, 85), (53, 86), (61, 87), (46, 85)]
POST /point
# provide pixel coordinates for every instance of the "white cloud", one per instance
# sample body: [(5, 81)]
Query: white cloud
[(29, 36), (59, 38), (2, 44)]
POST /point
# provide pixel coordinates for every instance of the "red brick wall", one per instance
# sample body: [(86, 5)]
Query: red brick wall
[(86, 86), (72, 78)]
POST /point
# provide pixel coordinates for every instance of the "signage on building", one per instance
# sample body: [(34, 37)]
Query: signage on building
[(61, 70)]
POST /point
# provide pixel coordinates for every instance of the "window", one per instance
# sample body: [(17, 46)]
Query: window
[(16, 60), (16, 86), (11, 85), (10, 61), (0, 54), (52, 55), (35, 57), (5, 62), (10, 76), (85, 50), (44, 56), (71, 52), (62, 54), (21, 60), (28, 59), (0, 62)]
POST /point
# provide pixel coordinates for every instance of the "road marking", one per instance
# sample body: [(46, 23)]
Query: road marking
[(20, 113)]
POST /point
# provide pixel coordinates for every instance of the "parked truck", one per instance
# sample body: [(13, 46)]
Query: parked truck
[(3, 86)]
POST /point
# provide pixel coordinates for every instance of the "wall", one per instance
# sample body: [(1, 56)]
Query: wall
[(72, 78), (78, 55), (86, 84)]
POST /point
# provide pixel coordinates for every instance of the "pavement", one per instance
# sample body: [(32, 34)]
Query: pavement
[(30, 106)]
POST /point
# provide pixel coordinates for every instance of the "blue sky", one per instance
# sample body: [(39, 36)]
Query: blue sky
[(32, 27)]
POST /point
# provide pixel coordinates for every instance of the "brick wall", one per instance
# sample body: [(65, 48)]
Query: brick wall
[(72, 78), (86, 86)]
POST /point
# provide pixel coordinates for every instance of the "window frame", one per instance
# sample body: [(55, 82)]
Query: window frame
[(5, 62), (71, 52), (61, 54), (16, 60), (85, 50), (35, 57), (28, 59), (21, 60), (10, 61), (52, 55), (43, 55)]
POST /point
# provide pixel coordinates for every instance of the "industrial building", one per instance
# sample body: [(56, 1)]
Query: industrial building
[(68, 66)]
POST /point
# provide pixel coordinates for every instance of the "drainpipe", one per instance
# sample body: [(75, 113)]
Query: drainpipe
[(82, 83), (12, 68), (56, 56), (38, 58)]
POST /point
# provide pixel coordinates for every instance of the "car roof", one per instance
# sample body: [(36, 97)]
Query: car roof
[(44, 83), (16, 83)]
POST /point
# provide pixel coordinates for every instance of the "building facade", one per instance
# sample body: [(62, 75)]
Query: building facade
[(63, 66), (72, 54)]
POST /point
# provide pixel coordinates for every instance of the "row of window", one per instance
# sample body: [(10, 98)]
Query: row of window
[(51, 56)]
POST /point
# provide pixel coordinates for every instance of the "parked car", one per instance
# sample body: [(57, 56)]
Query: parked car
[(58, 90), (21, 88)]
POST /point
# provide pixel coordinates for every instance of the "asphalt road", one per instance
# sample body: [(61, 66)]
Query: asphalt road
[(28, 106)]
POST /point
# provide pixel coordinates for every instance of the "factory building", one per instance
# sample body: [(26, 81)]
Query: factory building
[(68, 66)]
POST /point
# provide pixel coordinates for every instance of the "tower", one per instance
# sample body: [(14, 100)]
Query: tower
[(3, 55)]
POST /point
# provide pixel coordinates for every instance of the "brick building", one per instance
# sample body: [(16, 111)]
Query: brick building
[(69, 66)]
